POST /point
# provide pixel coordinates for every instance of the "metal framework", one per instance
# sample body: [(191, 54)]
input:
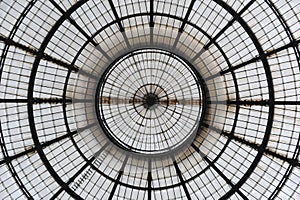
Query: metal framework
[(149, 99)]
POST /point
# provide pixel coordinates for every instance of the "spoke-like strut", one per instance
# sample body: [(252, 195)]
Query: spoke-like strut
[(33, 51)]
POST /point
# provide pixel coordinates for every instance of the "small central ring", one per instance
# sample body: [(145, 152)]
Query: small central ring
[(147, 98)]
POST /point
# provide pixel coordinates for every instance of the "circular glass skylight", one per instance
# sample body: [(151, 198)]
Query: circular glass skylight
[(145, 99), (150, 102)]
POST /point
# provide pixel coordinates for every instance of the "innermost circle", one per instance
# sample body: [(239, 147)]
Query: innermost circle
[(150, 102)]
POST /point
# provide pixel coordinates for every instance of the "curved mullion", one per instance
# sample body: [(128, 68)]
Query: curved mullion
[(117, 181), (74, 177), (271, 107), (149, 179), (180, 30), (258, 58), (256, 147), (179, 174), (214, 39), (73, 22), (33, 51), (121, 27), (88, 163), (212, 164), (31, 150)]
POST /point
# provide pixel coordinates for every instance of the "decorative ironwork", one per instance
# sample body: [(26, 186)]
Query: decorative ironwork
[(149, 99)]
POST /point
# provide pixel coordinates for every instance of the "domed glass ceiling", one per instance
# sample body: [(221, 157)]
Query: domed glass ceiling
[(145, 99)]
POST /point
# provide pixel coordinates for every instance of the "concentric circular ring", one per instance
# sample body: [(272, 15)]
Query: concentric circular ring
[(93, 103), (150, 99), (150, 102)]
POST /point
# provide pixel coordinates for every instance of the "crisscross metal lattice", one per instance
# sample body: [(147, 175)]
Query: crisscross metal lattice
[(149, 99)]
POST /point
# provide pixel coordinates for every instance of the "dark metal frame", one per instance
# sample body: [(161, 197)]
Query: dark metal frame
[(102, 80), (263, 57)]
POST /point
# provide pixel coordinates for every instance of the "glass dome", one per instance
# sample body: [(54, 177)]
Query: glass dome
[(144, 99)]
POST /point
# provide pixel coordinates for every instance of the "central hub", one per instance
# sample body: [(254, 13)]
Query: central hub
[(150, 100)]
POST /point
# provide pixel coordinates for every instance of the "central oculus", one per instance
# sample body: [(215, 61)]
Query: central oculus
[(150, 102)]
